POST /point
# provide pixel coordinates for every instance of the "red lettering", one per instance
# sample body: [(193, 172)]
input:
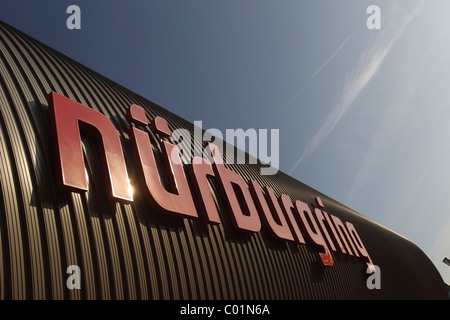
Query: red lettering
[(343, 234), (66, 117), (136, 115), (320, 218), (280, 228), (233, 189), (333, 231), (179, 203), (287, 205), (313, 231), (357, 241), (242, 200), (200, 169)]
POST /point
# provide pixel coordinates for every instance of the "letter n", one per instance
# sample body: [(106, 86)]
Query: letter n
[(66, 117)]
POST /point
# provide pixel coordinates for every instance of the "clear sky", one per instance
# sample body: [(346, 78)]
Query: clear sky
[(364, 115)]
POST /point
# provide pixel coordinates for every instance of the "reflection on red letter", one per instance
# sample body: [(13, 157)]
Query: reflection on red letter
[(234, 189), (200, 169), (172, 203), (287, 205), (313, 231), (66, 117), (357, 241), (278, 228)]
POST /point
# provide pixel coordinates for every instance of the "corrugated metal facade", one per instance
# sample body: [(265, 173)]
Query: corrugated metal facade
[(131, 251)]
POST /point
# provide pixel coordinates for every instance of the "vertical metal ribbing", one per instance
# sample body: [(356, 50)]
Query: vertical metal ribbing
[(13, 248), (102, 263), (179, 268), (253, 270), (103, 281), (150, 264), (162, 271), (292, 276), (212, 268), (83, 247), (42, 194), (198, 262), (205, 270), (15, 120), (136, 243), (124, 254), (264, 277), (247, 277), (230, 268), (108, 231), (62, 224), (167, 256), (267, 274), (188, 262), (218, 260), (3, 246), (237, 280), (224, 271), (284, 280), (65, 216)]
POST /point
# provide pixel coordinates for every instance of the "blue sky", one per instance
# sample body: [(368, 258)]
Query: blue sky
[(364, 115)]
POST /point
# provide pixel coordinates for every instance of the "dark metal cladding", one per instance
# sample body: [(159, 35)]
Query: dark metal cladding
[(131, 251)]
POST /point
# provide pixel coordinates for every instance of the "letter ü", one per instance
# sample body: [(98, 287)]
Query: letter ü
[(180, 202)]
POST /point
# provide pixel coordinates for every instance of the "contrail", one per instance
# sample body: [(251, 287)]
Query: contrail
[(369, 63), (317, 72)]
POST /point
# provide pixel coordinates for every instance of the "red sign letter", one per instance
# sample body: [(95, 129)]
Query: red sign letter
[(313, 231), (66, 116), (357, 240), (229, 180), (200, 169), (278, 228), (180, 202), (287, 205)]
